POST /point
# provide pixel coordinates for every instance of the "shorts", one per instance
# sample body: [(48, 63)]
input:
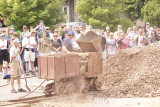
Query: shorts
[(29, 56), (4, 56), (15, 69)]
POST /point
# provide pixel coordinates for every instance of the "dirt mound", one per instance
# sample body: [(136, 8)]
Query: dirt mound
[(132, 73)]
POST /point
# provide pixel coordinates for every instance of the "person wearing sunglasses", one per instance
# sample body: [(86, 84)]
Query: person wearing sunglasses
[(3, 31), (154, 37), (56, 44), (22, 35)]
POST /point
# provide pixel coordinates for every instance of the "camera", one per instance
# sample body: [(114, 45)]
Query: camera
[(120, 41)]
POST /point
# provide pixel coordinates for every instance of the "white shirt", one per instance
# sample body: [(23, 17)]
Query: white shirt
[(13, 51), (3, 43), (31, 40), (51, 35)]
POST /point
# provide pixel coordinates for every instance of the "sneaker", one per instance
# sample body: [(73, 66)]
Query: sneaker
[(13, 91), (33, 73), (21, 90), (27, 73)]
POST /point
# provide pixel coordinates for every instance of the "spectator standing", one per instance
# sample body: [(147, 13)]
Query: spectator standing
[(107, 35), (103, 45), (111, 44), (4, 54), (3, 31), (148, 30), (39, 27), (65, 32), (44, 44), (77, 33), (122, 42), (83, 29), (40, 34), (141, 38), (56, 44), (29, 44), (22, 35), (67, 44), (131, 37), (33, 34), (50, 34), (31, 28), (119, 29), (154, 37), (15, 67)]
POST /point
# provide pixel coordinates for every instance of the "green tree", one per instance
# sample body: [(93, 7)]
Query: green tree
[(151, 12), (30, 12), (132, 8), (100, 13)]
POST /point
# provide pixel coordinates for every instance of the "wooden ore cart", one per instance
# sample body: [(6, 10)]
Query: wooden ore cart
[(74, 72)]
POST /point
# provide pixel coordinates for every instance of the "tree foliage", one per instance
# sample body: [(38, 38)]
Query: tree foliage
[(151, 12), (100, 13), (30, 12), (132, 8)]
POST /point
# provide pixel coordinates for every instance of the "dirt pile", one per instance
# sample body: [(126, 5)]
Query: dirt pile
[(133, 73)]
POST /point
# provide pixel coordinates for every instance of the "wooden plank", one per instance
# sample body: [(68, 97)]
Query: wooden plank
[(59, 68), (44, 67), (51, 68), (72, 65)]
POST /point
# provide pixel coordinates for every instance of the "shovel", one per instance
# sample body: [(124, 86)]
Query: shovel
[(24, 74)]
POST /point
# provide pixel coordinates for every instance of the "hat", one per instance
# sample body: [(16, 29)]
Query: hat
[(147, 23), (27, 34), (16, 40), (72, 33), (12, 28), (2, 35), (24, 26), (47, 28)]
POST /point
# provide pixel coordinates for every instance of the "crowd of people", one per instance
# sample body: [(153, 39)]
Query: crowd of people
[(112, 43), (41, 40)]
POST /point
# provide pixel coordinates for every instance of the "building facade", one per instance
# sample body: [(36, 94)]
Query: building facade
[(69, 9)]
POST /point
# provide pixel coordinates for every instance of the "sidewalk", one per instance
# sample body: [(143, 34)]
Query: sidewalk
[(5, 92)]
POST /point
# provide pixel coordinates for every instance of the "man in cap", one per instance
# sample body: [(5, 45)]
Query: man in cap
[(22, 35), (28, 44), (67, 43), (148, 30), (4, 54), (40, 34), (15, 67), (50, 34)]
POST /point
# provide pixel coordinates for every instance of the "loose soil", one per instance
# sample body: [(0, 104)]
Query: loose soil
[(132, 72)]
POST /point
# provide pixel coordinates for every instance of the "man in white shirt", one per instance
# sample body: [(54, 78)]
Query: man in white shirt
[(15, 67), (4, 54), (119, 29), (28, 44)]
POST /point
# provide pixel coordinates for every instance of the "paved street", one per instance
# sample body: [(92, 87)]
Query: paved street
[(5, 93)]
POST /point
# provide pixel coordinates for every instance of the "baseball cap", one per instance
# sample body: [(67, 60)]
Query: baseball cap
[(72, 33), (147, 23), (16, 40), (47, 28), (24, 26), (2, 35)]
